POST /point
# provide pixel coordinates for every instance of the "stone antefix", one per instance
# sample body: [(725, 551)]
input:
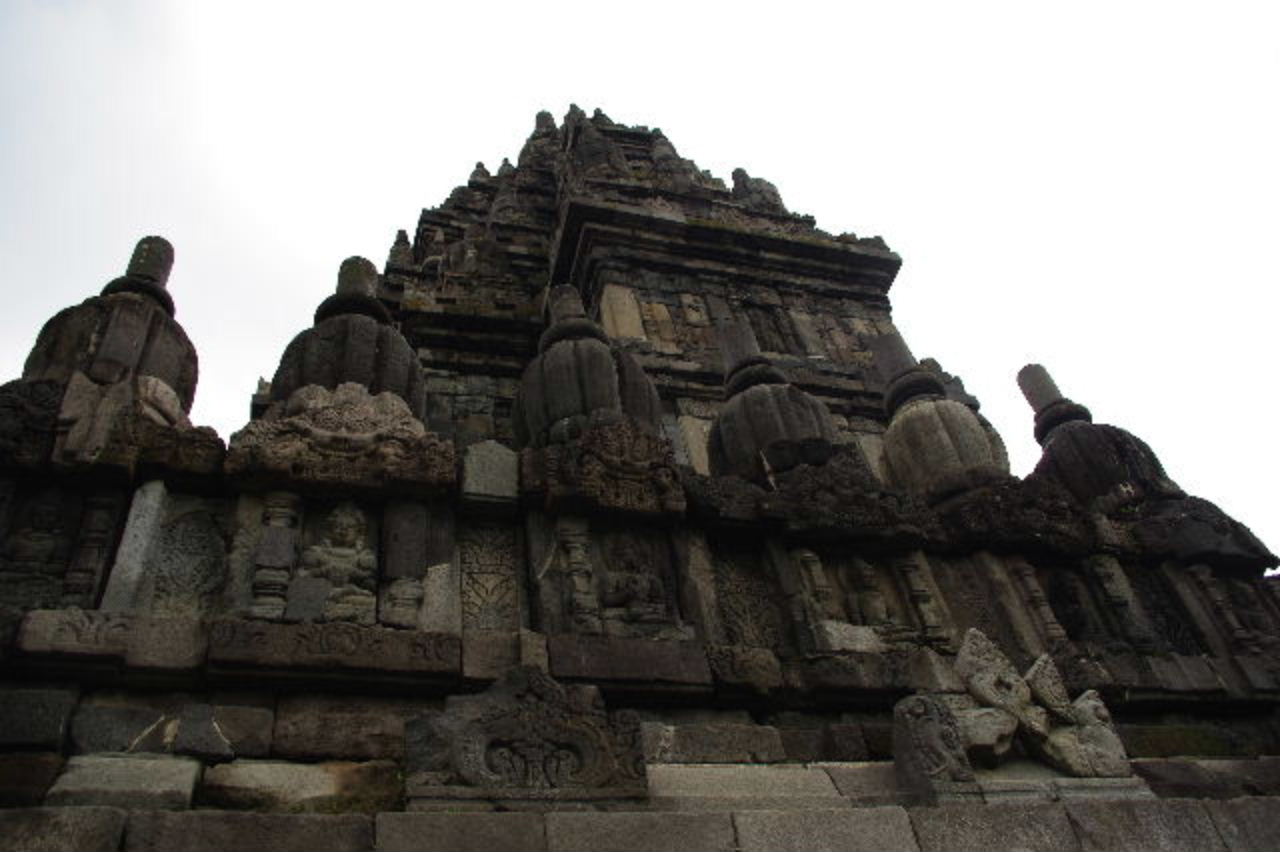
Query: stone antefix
[(613, 511)]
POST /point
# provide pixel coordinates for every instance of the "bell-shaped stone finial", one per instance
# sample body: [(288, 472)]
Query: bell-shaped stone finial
[(766, 424), (579, 377), (152, 260), (147, 273), (1051, 407), (355, 294), (357, 277), (904, 378), (934, 447)]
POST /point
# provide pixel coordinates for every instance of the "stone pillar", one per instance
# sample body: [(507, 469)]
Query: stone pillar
[(276, 554), (140, 533)]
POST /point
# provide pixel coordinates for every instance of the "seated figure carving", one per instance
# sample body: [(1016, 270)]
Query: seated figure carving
[(344, 558)]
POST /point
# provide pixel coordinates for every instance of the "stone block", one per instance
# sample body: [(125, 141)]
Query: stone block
[(624, 832), (1257, 777), (617, 659), (126, 781), (977, 827), (172, 644), (490, 475), (1203, 740), (844, 741), (36, 716), (766, 781), (852, 830), (217, 831), (247, 729), (310, 727), (724, 804), (115, 723), (141, 531), (620, 313), (486, 654), (75, 632), (871, 783), (332, 648), (713, 743), (268, 785), (460, 832), (25, 777), (1186, 779), (61, 829), (804, 745), (1162, 824), (1247, 825)]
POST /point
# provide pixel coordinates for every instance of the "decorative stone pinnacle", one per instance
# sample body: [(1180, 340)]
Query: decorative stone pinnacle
[(905, 379), (357, 277), (1051, 407), (1038, 387), (152, 260)]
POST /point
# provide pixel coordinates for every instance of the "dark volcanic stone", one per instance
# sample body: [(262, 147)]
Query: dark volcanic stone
[(35, 717), (216, 831), (61, 829), (25, 777)]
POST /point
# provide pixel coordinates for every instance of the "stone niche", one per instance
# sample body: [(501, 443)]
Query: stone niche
[(336, 575), (603, 578)]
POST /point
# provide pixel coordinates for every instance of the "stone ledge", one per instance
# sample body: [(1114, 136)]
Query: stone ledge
[(215, 831), (61, 829), (1030, 827), (639, 832), (460, 832), (1164, 824), (126, 781), (695, 780), (853, 830)]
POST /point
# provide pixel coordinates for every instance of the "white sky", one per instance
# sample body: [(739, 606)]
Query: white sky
[(1095, 186)]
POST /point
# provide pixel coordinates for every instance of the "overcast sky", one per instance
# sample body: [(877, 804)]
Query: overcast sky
[(1094, 186)]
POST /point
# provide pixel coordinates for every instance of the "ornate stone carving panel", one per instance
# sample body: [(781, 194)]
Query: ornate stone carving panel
[(491, 598)]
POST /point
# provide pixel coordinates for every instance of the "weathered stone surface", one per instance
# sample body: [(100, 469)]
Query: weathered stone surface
[(613, 658), (35, 717), (342, 728), (1035, 827), (126, 781), (633, 832), (527, 736), (124, 584), (871, 783), (267, 785), (1170, 824), (446, 832), (74, 632), (332, 647), (341, 437), (118, 724), (25, 777), (713, 743), (1246, 825), (744, 781), (490, 474), (61, 829), (1186, 779), (216, 831), (886, 828)]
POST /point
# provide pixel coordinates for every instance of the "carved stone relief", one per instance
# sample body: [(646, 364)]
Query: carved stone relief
[(37, 548), (748, 602), (336, 577), (526, 735), (188, 567), (490, 577)]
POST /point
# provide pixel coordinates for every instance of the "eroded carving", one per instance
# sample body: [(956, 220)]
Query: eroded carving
[(527, 734), (342, 436)]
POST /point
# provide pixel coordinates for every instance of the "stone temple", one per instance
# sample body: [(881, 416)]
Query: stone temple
[(614, 512)]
